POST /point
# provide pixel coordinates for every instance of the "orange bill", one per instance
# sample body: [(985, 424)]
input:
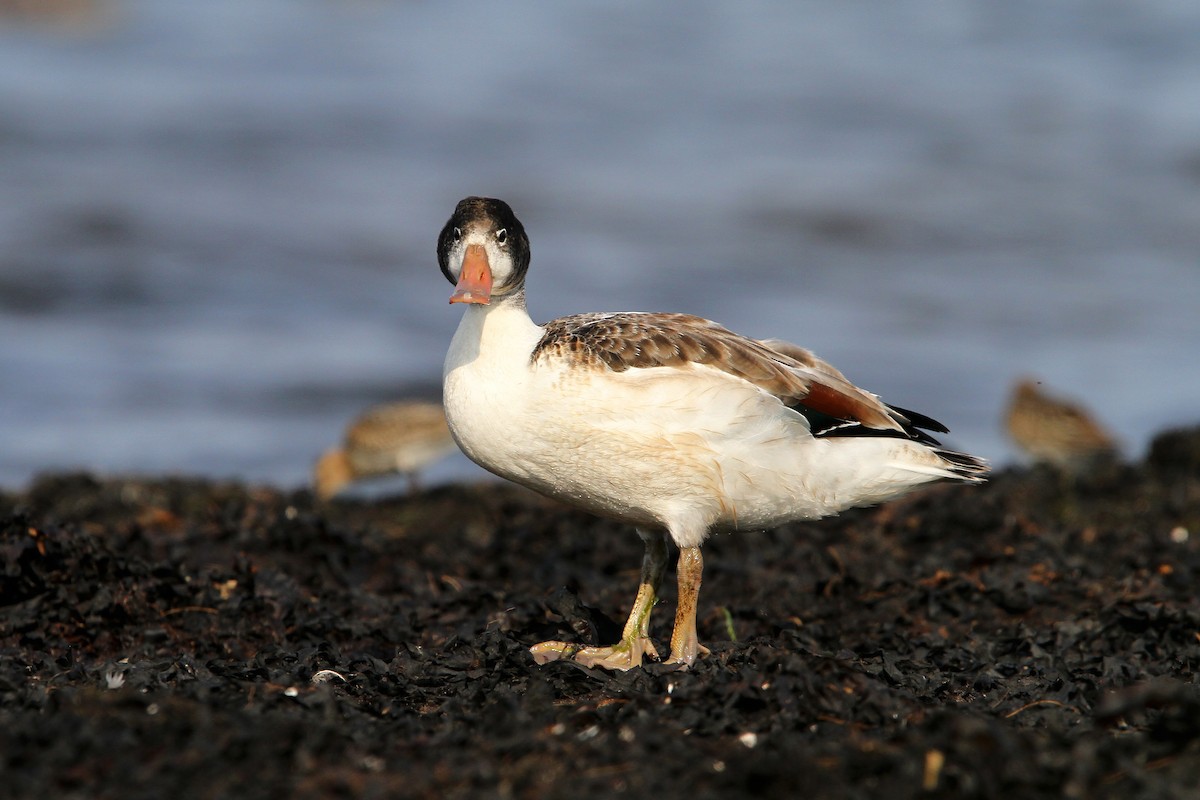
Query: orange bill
[(475, 280)]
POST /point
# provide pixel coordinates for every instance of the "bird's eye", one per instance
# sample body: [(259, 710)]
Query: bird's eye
[(457, 234), (502, 235)]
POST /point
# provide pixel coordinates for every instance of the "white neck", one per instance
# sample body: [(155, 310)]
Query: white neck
[(486, 379), (499, 335)]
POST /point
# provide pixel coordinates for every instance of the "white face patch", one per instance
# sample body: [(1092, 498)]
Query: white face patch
[(499, 259)]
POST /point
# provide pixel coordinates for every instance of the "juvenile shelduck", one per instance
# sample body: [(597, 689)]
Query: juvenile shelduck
[(666, 421)]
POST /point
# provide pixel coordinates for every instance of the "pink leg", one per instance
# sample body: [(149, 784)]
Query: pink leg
[(685, 646)]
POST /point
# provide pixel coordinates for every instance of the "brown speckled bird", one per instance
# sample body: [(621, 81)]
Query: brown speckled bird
[(1055, 431), (385, 439)]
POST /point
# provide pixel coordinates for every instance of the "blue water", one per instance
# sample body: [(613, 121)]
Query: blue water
[(217, 220)]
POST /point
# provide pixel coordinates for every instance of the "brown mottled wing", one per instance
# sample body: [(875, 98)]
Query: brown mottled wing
[(803, 356), (637, 341)]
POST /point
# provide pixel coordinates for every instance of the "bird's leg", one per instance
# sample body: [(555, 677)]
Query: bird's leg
[(635, 639), (684, 645)]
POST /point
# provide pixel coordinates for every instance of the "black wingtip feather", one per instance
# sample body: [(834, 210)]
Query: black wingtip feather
[(915, 425), (967, 467), (826, 426), (920, 420)]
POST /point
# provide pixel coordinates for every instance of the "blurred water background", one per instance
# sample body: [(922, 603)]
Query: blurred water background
[(217, 219)]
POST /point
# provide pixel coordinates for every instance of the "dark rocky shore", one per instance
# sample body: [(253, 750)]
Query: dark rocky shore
[(167, 638)]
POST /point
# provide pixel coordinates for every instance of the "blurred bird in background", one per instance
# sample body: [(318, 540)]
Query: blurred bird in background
[(393, 438), (1056, 431)]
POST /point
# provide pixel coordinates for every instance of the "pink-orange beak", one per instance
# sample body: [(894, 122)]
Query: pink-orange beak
[(475, 280)]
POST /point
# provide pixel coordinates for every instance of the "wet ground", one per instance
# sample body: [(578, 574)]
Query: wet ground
[(1035, 637)]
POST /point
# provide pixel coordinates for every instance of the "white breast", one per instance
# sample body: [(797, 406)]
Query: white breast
[(689, 448)]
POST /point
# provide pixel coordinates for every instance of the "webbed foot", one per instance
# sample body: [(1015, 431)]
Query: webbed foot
[(623, 655)]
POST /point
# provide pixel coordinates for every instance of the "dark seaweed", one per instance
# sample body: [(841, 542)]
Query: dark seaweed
[(1038, 636)]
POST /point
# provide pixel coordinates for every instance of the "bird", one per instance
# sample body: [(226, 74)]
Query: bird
[(400, 437), (666, 421), (1056, 431)]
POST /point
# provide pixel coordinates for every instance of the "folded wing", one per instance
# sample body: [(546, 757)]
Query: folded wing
[(833, 405)]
